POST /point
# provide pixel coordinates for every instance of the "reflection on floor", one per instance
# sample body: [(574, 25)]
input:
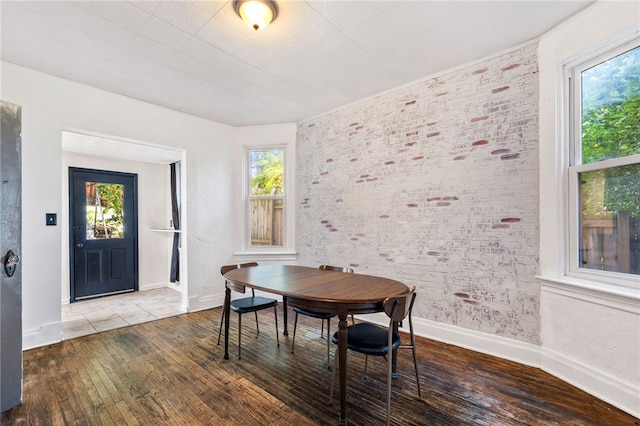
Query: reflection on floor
[(109, 312)]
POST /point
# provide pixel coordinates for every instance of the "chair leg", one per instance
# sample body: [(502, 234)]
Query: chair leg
[(322, 329), (295, 325), (333, 376), (328, 340), (415, 366), (366, 364), (257, 328), (221, 322), (389, 373), (275, 314), (239, 335)]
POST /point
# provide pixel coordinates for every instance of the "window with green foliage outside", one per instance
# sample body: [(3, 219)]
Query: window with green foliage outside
[(606, 162), (105, 210), (266, 197)]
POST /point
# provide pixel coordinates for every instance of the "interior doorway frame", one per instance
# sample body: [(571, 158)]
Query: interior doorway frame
[(105, 146)]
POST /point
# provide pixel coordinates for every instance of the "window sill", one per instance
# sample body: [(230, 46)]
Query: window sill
[(257, 255), (623, 298)]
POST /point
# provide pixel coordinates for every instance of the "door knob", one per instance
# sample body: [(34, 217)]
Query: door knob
[(10, 262), (80, 245)]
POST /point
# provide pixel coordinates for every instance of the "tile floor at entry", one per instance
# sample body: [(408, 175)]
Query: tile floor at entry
[(109, 312)]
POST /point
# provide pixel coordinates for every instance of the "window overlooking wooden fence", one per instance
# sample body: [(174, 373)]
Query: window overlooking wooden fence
[(266, 196)]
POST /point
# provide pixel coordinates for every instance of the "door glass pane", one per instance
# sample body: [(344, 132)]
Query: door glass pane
[(105, 217), (610, 219)]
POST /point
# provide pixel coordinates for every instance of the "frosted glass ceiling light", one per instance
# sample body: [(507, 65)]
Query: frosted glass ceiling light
[(256, 13)]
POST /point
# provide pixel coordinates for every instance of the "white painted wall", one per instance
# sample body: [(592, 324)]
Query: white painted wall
[(154, 211), (51, 105), (590, 338)]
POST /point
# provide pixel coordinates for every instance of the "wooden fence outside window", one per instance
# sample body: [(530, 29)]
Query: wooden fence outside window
[(266, 222)]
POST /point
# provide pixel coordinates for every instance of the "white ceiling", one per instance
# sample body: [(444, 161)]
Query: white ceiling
[(118, 148), (200, 58)]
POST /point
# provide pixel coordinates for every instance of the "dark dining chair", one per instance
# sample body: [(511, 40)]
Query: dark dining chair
[(321, 315), (374, 340), (247, 304)]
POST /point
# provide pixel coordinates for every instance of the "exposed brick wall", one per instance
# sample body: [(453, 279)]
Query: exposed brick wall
[(435, 185)]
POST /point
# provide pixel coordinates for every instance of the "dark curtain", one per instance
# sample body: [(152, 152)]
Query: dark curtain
[(175, 213)]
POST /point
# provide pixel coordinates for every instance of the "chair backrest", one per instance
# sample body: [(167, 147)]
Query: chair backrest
[(399, 307), (336, 269), (226, 268)]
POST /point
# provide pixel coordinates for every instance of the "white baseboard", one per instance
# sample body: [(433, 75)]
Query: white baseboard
[(153, 286), (200, 303), (619, 393), (46, 335), (490, 344)]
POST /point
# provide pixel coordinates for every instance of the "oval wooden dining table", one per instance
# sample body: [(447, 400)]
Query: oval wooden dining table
[(317, 290)]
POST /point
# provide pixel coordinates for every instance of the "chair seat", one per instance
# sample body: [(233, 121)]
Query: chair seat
[(252, 304), (369, 339), (322, 315)]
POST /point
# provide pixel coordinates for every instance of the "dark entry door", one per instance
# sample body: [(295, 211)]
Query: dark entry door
[(10, 253), (103, 233)]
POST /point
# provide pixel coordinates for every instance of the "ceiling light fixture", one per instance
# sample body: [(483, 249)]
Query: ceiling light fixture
[(256, 13)]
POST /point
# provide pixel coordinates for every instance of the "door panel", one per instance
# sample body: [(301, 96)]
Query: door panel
[(103, 233), (10, 237)]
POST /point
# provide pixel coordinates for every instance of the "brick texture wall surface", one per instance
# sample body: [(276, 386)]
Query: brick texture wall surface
[(435, 185)]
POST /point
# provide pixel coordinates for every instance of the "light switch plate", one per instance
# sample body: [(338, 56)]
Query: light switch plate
[(52, 219)]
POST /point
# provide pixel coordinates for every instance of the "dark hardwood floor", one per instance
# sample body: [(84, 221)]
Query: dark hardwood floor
[(171, 372)]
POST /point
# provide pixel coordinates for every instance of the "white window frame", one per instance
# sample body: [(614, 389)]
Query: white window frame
[(286, 252), (572, 98)]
